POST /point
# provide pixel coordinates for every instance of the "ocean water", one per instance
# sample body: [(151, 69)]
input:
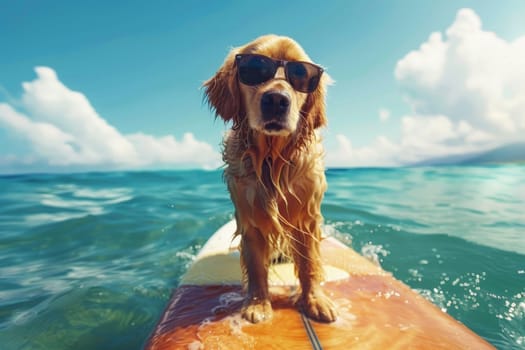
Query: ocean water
[(88, 261)]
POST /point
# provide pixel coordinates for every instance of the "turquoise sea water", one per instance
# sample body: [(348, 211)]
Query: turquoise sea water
[(88, 261)]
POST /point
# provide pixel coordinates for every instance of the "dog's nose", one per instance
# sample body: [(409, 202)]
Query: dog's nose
[(275, 105)]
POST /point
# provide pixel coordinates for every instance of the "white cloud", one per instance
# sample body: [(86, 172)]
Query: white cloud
[(384, 114), (63, 129), (381, 153), (422, 137), (45, 138), (433, 136), (471, 75), (167, 150), (467, 93)]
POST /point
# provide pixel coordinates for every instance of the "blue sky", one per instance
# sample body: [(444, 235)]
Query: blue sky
[(116, 85)]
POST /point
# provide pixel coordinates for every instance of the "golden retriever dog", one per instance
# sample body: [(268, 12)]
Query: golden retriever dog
[(275, 98)]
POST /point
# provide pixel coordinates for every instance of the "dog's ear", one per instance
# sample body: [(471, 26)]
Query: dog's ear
[(222, 92), (315, 108)]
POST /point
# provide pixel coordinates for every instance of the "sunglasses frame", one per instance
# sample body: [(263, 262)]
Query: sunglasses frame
[(276, 65)]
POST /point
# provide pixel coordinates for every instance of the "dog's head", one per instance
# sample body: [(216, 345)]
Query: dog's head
[(271, 86)]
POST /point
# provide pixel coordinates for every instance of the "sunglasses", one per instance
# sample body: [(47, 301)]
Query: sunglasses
[(256, 69)]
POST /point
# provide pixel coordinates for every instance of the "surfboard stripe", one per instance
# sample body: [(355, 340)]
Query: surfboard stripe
[(310, 331)]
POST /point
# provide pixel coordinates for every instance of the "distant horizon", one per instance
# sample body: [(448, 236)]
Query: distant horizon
[(220, 169)]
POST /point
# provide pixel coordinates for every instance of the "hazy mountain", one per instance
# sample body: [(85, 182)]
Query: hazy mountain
[(514, 152)]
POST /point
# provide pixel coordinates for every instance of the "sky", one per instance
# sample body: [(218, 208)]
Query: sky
[(107, 85)]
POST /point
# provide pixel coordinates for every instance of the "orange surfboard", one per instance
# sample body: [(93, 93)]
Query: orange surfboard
[(376, 311)]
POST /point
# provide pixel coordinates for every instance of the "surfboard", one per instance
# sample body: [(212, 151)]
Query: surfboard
[(376, 311)]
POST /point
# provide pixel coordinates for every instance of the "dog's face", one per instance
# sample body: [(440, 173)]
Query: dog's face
[(273, 107)]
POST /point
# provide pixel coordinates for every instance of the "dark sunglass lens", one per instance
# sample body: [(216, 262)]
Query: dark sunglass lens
[(255, 70), (303, 76)]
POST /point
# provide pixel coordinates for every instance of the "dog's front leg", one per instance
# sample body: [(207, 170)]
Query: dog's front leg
[(313, 301), (255, 261)]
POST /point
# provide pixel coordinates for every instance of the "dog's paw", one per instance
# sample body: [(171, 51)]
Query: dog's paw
[(257, 311), (316, 305)]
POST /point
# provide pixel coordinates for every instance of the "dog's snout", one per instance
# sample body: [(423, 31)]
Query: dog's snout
[(275, 105)]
